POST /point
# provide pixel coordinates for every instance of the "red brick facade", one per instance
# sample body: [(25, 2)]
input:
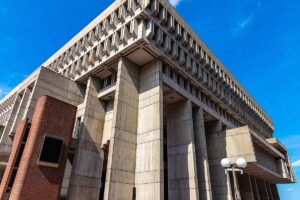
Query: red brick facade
[(35, 181), (12, 159)]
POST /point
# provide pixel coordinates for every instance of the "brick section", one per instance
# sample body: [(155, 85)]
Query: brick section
[(34, 181), (21, 129)]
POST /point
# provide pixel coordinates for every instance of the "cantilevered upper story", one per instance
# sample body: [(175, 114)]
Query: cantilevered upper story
[(146, 29), (144, 32)]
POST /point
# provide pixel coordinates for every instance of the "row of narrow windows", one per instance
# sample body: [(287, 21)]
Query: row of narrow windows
[(185, 84)]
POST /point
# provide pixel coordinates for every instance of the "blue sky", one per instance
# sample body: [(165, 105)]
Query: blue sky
[(258, 41)]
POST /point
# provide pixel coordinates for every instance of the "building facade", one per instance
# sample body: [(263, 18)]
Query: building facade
[(156, 113)]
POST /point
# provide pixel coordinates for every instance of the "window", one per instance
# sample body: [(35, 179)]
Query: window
[(51, 151)]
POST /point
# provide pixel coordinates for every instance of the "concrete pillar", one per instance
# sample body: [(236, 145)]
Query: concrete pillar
[(245, 187), (66, 180), (262, 189), (87, 164), (21, 110), (182, 171), (6, 141), (216, 148), (120, 177), (269, 190), (1, 130), (254, 188), (275, 193), (201, 155), (149, 155)]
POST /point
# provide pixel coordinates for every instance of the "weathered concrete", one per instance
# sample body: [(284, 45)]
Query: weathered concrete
[(182, 171), (203, 173), (87, 165), (151, 150), (220, 182), (120, 178), (149, 154)]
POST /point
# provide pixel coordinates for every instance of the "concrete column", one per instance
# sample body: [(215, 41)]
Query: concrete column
[(275, 193), (262, 189), (182, 171), (245, 187), (120, 177), (201, 155), (87, 164), (216, 148), (254, 188), (269, 190), (21, 110), (1, 129), (149, 155), (6, 141)]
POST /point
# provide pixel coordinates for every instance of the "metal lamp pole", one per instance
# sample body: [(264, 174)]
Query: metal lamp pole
[(238, 166)]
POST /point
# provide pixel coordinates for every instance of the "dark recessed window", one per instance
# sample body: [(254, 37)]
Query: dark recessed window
[(51, 151)]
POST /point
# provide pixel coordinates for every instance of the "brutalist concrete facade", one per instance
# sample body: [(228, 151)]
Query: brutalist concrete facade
[(156, 112)]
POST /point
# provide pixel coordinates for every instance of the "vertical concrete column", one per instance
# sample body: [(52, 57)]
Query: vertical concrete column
[(216, 147), (262, 189), (201, 155), (1, 129), (6, 141), (254, 188), (245, 187), (120, 177), (21, 110), (87, 164), (269, 190), (149, 154), (182, 171), (275, 193)]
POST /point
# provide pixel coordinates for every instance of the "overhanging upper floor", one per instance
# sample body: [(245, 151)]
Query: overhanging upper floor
[(267, 159), (148, 29)]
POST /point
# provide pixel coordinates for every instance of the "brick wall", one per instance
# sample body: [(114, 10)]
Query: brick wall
[(35, 181)]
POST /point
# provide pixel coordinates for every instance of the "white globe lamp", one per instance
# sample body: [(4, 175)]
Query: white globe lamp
[(225, 162), (241, 163)]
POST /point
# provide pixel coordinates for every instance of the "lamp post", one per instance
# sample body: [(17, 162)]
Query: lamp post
[(238, 166)]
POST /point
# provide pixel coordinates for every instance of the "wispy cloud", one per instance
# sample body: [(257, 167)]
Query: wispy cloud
[(175, 2), (259, 4), (296, 163), (4, 89), (289, 190), (292, 142), (243, 24)]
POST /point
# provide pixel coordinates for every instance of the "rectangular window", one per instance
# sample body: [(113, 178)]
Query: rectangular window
[(51, 151)]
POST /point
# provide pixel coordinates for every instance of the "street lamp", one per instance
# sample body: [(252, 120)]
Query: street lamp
[(238, 166)]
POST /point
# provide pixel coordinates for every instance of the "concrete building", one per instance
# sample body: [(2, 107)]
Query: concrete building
[(157, 111)]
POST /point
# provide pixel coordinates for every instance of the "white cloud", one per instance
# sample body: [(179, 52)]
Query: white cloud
[(174, 2), (243, 24), (289, 189), (296, 163)]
